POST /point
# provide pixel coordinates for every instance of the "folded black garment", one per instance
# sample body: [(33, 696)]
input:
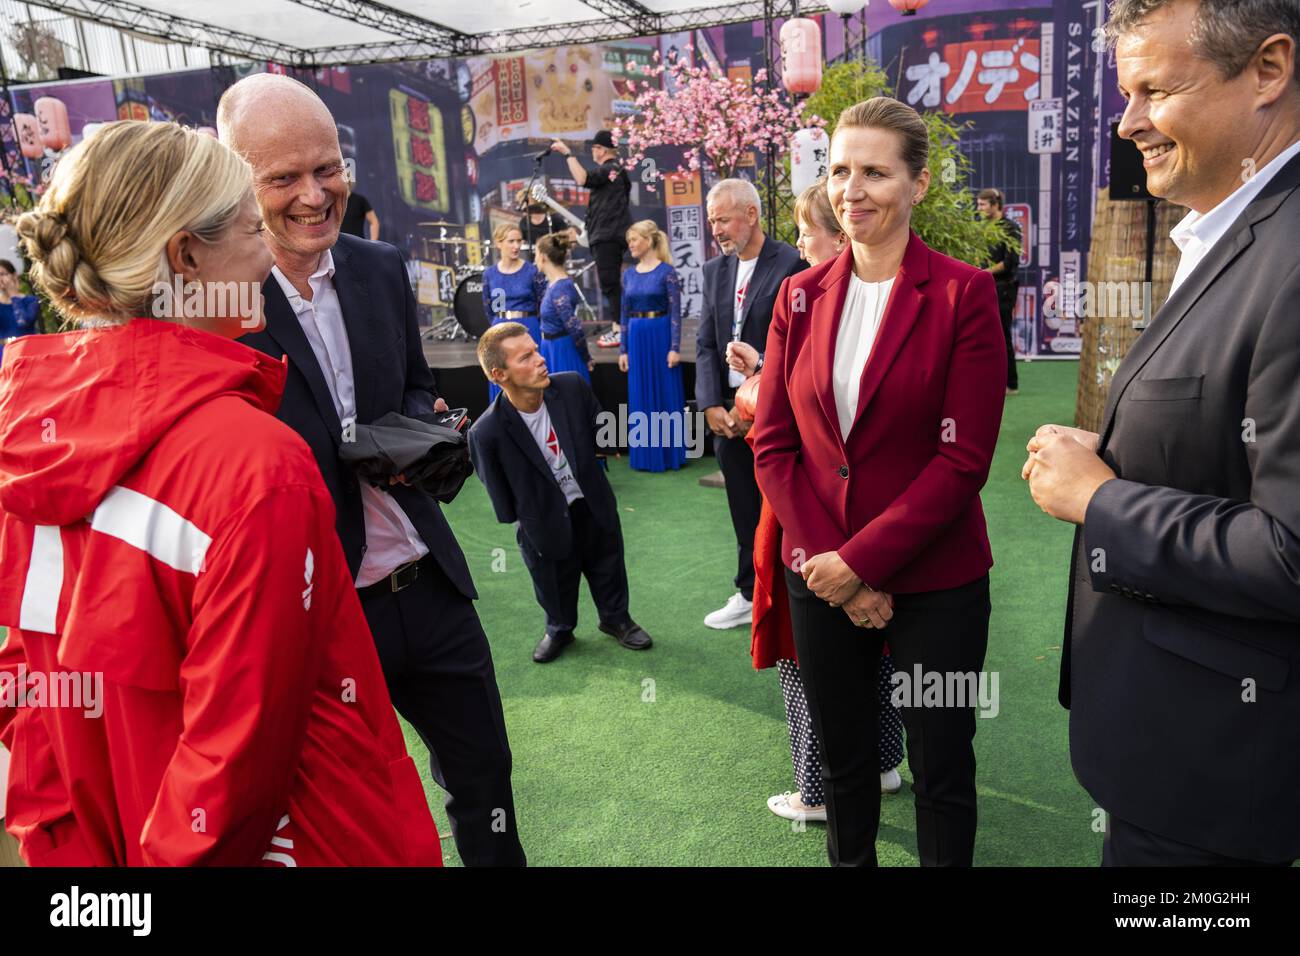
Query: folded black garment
[(431, 457)]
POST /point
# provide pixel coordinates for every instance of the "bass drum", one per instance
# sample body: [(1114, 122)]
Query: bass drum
[(467, 305)]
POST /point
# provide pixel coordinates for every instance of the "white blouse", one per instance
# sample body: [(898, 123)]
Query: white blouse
[(864, 307)]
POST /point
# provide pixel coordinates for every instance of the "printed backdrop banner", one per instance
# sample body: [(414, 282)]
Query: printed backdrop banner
[(443, 148)]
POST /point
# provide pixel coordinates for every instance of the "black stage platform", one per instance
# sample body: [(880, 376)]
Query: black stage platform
[(462, 384)]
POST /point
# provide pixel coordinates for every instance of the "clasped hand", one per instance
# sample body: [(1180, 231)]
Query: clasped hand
[(835, 582)]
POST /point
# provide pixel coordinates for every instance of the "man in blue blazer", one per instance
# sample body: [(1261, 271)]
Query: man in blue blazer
[(535, 451), (740, 288), (340, 308)]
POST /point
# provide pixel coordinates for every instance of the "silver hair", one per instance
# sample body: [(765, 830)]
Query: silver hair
[(1225, 32), (741, 191)]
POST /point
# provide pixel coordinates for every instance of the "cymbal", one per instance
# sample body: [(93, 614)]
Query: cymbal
[(441, 222), (452, 242)]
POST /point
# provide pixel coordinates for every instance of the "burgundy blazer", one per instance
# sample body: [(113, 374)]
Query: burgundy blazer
[(899, 500)]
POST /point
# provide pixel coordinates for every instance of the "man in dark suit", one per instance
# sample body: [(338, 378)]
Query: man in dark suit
[(740, 289), (340, 308), (1181, 656), (535, 450)]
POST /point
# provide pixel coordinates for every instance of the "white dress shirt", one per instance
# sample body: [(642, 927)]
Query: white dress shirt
[(864, 307), (1196, 233), (391, 539)]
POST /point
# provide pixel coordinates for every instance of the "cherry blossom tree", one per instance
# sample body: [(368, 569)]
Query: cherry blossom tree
[(717, 119)]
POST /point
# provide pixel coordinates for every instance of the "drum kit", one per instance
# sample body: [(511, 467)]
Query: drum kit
[(467, 319)]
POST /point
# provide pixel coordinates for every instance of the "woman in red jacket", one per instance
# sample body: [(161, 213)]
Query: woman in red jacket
[(771, 643), (172, 567), (875, 428)]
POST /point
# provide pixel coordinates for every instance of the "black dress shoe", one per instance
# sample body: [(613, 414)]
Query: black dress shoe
[(549, 647), (630, 634)]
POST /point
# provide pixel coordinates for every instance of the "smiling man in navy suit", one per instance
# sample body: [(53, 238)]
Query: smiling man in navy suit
[(341, 309)]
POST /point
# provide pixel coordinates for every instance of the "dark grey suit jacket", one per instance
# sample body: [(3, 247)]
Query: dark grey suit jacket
[(776, 261), (1181, 662)]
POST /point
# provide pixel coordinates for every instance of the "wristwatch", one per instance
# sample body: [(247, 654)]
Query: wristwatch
[(759, 367)]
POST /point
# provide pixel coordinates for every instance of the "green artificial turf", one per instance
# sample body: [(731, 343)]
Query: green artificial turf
[(667, 757)]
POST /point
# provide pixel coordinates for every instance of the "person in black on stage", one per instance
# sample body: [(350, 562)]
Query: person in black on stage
[(1004, 269), (535, 451), (360, 218), (608, 218)]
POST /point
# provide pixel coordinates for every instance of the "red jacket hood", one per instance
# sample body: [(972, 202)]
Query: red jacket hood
[(79, 410)]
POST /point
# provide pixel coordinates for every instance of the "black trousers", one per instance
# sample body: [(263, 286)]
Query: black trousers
[(438, 667), (736, 459), (609, 273), (596, 553), (1126, 844), (942, 631), (1006, 309)]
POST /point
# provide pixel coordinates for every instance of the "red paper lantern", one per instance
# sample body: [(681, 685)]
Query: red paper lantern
[(908, 8), (801, 55)]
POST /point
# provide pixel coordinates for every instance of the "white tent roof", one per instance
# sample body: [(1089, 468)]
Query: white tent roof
[(322, 32)]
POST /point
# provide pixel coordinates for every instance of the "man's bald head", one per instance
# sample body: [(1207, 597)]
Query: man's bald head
[(288, 136), (270, 103)]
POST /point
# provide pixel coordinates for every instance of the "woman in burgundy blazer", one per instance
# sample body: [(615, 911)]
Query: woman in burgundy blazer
[(878, 498)]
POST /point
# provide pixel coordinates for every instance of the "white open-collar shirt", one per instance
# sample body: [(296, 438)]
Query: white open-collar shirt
[(1196, 233), (391, 539)]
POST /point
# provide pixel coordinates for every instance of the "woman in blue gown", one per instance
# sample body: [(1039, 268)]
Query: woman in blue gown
[(563, 343), (18, 312), (652, 335), (513, 288)]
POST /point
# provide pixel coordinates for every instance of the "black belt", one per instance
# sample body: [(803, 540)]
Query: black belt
[(553, 336), (402, 578), (646, 315)]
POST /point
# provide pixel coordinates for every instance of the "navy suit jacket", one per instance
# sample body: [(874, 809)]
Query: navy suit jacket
[(519, 480), (776, 261), (390, 375)]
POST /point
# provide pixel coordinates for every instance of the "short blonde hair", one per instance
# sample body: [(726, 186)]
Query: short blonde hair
[(649, 229), (489, 351), (97, 240), (814, 207)]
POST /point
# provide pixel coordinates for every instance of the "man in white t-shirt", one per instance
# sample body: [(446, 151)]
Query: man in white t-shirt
[(740, 289), (535, 451)]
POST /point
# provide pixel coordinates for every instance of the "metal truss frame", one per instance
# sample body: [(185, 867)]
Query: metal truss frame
[(417, 38)]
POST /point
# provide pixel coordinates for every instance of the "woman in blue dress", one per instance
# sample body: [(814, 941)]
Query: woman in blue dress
[(513, 288), (18, 312), (652, 335), (563, 343)]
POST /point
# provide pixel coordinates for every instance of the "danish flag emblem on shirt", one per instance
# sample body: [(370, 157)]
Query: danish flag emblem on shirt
[(553, 446)]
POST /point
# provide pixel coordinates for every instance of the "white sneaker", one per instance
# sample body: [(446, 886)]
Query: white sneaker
[(890, 782), (789, 806), (735, 612)]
